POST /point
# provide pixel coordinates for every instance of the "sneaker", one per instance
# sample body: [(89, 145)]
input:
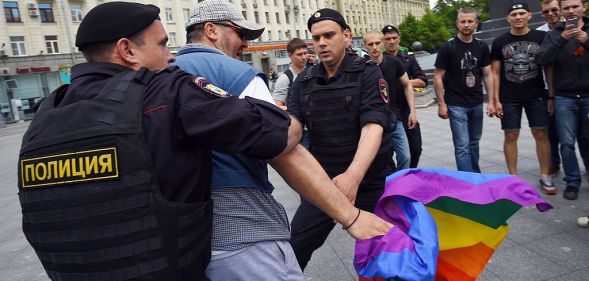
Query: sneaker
[(583, 221), (548, 187), (553, 170), (571, 193)]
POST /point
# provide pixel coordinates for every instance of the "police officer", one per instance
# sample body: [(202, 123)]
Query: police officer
[(418, 79), (115, 169), (343, 102)]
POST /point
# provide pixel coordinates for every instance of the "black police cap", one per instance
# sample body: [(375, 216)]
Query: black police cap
[(389, 28), (327, 14), (114, 20)]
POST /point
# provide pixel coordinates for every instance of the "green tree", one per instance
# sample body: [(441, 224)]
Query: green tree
[(430, 31), (448, 10)]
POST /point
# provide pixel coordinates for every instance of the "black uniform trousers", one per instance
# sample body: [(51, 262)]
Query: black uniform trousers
[(311, 226), (413, 137)]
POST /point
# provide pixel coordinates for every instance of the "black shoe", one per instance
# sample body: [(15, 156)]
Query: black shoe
[(570, 193)]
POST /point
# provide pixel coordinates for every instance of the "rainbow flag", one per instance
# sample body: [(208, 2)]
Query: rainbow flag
[(447, 224)]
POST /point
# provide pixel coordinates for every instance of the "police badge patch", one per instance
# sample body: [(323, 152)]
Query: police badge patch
[(383, 90), (209, 88)]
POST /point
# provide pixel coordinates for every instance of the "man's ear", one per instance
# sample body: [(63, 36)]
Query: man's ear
[(211, 31), (125, 52)]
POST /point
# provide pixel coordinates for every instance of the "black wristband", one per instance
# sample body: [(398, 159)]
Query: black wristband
[(354, 221)]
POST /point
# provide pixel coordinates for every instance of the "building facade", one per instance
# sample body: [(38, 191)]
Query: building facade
[(37, 37)]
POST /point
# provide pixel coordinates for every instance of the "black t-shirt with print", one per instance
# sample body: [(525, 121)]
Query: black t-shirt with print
[(464, 64), (521, 76)]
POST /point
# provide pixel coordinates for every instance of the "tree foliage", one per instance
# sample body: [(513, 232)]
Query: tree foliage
[(430, 31)]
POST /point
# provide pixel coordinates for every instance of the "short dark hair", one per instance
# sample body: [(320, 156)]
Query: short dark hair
[(560, 1), (195, 32), (99, 52), (295, 44), (546, 2), (467, 10)]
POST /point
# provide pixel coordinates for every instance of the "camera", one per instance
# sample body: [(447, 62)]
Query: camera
[(574, 22)]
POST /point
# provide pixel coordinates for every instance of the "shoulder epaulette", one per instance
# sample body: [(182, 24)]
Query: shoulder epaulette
[(209, 88)]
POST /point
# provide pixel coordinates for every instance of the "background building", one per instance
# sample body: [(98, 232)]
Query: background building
[(37, 37)]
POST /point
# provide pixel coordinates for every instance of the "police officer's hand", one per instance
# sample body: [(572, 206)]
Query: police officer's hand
[(412, 120), (348, 184), (443, 111), (367, 226)]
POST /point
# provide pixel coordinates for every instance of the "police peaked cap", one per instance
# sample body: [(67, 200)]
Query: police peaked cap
[(114, 20), (389, 28), (327, 14)]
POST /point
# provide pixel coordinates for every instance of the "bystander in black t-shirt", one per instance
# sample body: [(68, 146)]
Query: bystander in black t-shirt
[(521, 76), (464, 64), (392, 69)]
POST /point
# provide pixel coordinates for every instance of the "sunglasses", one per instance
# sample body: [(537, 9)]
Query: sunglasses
[(240, 31), (554, 11)]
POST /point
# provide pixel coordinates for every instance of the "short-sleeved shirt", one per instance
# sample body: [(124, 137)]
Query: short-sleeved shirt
[(373, 108), (521, 77), (183, 123), (413, 70), (464, 63), (282, 86), (392, 71)]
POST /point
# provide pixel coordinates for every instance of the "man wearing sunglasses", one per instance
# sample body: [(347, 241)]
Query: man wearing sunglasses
[(250, 228)]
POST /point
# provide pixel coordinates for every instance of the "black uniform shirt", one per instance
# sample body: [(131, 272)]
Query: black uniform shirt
[(413, 70), (392, 70), (373, 108), (180, 139)]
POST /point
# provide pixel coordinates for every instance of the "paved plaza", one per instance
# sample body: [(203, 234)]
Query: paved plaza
[(540, 246)]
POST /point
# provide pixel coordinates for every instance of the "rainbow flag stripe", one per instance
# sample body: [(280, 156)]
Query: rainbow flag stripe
[(447, 224)]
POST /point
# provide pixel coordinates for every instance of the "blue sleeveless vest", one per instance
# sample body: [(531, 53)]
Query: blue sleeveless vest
[(229, 170)]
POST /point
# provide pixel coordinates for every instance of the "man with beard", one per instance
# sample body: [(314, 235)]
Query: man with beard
[(343, 102), (417, 78), (461, 66), (250, 228), (519, 85), (394, 73)]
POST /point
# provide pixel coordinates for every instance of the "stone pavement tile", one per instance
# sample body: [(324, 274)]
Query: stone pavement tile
[(580, 232), (325, 265), (523, 228), (30, 272), (579, 275), (570, 252), (10, 249), (515, 262), (11, 229), (563, 216), (488, 276), (25, 257), (428, 162)]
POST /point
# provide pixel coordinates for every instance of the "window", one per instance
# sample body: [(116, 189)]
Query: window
[(267, 17), (281, 54), (11, 11), (51, 44), (172, 39), (298, 34), (247, 58), (244, 14), (256, 17), (275, 2), (46, 12), (279, 35), (266, 2), (277, 18), (282, 67), (269, 35), (17, 43), (169, 16), (186, 13), (76, 10), (286, 17), (306, 34)]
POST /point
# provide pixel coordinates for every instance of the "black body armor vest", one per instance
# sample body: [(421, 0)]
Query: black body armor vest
[(332, 114), (92, 207)]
